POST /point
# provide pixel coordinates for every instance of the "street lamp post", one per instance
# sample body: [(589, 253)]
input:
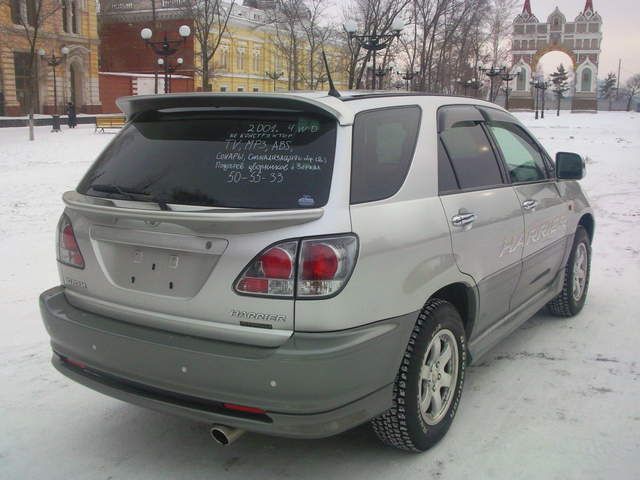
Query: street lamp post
[(169, 69), (380, 73), (508, 77), (274, 76), (534, 84), (53, 62), (492, 72), (543, 91), (467, 84), (407, 76), (373, 43), (165, 48)]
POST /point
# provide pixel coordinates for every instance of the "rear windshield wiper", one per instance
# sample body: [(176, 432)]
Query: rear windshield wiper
[(129, 194)]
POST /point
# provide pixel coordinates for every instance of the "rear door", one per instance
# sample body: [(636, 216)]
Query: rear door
[(183, 200), (482, 208), (545, 213)]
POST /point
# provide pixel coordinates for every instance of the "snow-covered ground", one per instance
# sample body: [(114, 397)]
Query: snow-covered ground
[(558, 399)]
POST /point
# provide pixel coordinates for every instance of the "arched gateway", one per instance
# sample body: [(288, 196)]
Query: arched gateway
[(579, 39)]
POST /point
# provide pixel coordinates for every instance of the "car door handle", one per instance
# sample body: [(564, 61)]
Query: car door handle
[(529, 204), (463, 219)]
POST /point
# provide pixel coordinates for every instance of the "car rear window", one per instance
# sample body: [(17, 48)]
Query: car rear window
[(384, 141), (261, 160)]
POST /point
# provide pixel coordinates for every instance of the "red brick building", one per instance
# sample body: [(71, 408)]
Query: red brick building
[(122, 50)]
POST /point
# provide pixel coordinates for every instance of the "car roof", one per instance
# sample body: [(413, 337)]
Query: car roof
[(343, 108)]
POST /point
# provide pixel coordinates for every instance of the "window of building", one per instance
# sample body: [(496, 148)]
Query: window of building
[(241, 89), (586, 80), (383, 145), (256, 89), (22, 71), (256, 60), (522, 79), (521, 155), (223, 88), (31, 13), (65, 16), (224, 58), (472, 157), (16, 16), (74, 17), (240, 59)]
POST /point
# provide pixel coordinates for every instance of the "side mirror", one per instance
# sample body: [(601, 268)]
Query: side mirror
[(569, 166)]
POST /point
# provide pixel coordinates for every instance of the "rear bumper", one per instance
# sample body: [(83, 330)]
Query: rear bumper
[(315, 385)]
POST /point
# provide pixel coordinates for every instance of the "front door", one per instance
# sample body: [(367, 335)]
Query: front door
[(482, 209), (545, 213)]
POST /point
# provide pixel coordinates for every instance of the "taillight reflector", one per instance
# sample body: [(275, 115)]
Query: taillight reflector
[(243, 408), (277, 263), (320, 262)]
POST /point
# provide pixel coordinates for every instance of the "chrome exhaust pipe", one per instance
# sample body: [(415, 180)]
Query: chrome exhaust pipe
[(225, 435)]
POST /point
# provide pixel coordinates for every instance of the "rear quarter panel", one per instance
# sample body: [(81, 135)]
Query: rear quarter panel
[(405, 246)]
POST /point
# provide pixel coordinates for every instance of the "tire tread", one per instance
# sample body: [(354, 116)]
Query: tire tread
[(391, 426)]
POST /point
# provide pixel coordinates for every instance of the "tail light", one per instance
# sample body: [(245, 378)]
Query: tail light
[(307, 268), (325, 265), (272, 273), (68, 249)]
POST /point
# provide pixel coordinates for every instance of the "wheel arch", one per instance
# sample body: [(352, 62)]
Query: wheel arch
[(589, 224), (464, 298)]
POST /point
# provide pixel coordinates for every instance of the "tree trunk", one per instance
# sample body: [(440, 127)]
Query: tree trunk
[(206, 86)]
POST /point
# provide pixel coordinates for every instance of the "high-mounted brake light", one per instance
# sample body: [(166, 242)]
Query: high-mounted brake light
[(68, 248), (307, 268)]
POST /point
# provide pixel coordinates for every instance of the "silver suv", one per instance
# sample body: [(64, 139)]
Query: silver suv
[(298, 265)]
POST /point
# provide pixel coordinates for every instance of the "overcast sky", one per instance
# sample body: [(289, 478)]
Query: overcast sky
[(621, 30)]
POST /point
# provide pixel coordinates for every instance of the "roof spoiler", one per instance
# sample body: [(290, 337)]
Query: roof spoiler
[(134, 105)]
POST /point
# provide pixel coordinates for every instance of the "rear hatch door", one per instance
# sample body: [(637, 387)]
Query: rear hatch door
[(181, 202)]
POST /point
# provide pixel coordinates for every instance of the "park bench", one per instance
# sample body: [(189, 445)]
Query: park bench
[(109, 122)]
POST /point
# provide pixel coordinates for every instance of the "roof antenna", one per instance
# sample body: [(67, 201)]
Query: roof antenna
[(332, 88)]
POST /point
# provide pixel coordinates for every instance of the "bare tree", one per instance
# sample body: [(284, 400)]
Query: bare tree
[(286, 20), (500, 19), (32, 17), (316, 34), (210, 24), (633, 88), (445, 41), (373, 17)]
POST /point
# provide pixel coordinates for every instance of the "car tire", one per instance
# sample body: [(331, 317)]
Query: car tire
[(408, 424), (576, 278)]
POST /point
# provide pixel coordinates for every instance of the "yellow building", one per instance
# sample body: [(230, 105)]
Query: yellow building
[(62, 23), (248, 59)]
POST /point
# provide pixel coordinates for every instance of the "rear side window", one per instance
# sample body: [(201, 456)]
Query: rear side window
[(472, 157), (261, 160), (383, 145)]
